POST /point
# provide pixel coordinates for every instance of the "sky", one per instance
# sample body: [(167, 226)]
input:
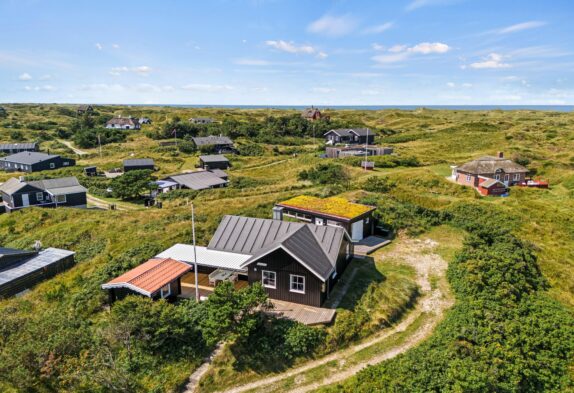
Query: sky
[(288, 52)]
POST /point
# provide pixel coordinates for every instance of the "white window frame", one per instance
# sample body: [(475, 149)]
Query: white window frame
[(40, 196), (57, 198), (468, 177), (52, 165), (497, 176), (164, 289), (65, 163), (263, 278), (291, 282), (516, 176)]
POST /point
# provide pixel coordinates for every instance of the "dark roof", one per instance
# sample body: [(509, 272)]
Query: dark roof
[(4, 251), (219, 173), (123, 121), (14, 146), (84, 107), (489, 164), (316, 246), (214, 158), (352, 131), (199, 180), (37, 262), (139, 162), (310, 112), (212, 140), (61, 186), (28, 157)]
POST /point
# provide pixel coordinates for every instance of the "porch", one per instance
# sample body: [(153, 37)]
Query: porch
[(205, 287), (369, 245)]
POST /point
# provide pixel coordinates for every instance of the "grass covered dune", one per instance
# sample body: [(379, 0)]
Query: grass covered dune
[(510, 329)]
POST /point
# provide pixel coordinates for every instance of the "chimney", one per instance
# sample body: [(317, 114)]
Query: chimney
[(37, 245), (500, 154), (278, 213), (21, 179)]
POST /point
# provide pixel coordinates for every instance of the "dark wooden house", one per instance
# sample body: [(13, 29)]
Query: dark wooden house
[(218, 144), (11, 148), (29, 161), (295, 262), (156, 279), (198, 180), (63, 192), (214, 161), (139, 164), (21, 270), (83, 109), (357, 219), (350, 136)]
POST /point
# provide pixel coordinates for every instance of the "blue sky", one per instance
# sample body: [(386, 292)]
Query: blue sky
[(273, 52)]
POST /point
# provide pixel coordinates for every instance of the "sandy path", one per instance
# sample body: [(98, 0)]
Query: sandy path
[(74, 149), (414, 252)]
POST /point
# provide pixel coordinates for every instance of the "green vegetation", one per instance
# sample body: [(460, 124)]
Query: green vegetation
[(132, 183), (509, 331)]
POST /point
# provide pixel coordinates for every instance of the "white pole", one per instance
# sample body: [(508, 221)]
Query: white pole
[(194, 255), (100, 144), (366, 148)]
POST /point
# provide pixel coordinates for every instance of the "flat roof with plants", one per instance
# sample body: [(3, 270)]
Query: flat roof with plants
[(333, 206)]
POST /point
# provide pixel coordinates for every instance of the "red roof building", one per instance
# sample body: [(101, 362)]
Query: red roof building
[(156, 278)]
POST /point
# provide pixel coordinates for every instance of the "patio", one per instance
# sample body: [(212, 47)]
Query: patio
[(370, 244), (302, 313), (205, 288)]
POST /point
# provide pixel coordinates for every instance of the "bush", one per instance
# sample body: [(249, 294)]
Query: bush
[(378, 184), (326, 173), (251, 149)]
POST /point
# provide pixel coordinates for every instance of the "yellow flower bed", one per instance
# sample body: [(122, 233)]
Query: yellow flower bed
[(334, 206)]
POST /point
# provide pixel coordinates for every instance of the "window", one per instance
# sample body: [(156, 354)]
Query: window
[(165, 291), (52, 165), (297, 283), (497, 177), (39, 196), (65, 163), (516, 176), (60, 198), (269, 279), (467, 178)]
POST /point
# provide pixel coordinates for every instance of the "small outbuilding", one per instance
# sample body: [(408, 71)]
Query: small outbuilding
[(201, 120), (31, 161), (156, 279), (491, 187), (139, 164), (219, 144), (124, 123), (199, 180), (82, 109), (214, 161), (21, 270)]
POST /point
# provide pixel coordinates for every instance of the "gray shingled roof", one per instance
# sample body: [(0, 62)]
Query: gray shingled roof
[(316, 245), (352, 131), (14, 146), (199, 180), (12, 185), (61, 186), (28, 157), (123, 121), (214, 158), (44, 258), (139, 162), (212, 140), (489, 164), (490, 182)]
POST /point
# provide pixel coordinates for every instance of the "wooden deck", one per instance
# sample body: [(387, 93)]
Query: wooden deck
[(370, 244), (307, 315), (205, 289)]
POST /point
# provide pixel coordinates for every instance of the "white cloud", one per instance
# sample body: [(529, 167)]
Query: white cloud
[(322, 90), (451, 84), (333, 26), (116, 46), (146, 87), (416, 4), (140, 70), (99, 46), (207, 88), (40, 88), (251, 62), (45, 77), (377, 47), (403, 52), (521, 26), (260, 89), (25, 77), (322, 55), (290, 47), (377, 29), (492, 61), (371, 92), (102, 87)]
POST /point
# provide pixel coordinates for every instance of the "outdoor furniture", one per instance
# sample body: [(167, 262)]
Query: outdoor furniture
[(219, 275)]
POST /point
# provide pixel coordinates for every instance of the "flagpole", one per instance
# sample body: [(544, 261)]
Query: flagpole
[(194, 254)]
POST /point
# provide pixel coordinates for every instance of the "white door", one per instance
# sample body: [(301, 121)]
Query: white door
[(357, 230), (25, 200)]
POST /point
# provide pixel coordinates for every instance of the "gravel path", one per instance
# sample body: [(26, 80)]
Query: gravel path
[(416, 253)]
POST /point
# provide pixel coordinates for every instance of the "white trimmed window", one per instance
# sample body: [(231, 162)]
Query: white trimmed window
[(269, 279), (165, 291), (60, 198), (517, 176), (39, 196), (52, 165), (467, 177), (296, 283), (497, 177)]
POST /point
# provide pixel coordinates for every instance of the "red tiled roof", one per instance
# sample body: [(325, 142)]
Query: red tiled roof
[(150, 276)]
